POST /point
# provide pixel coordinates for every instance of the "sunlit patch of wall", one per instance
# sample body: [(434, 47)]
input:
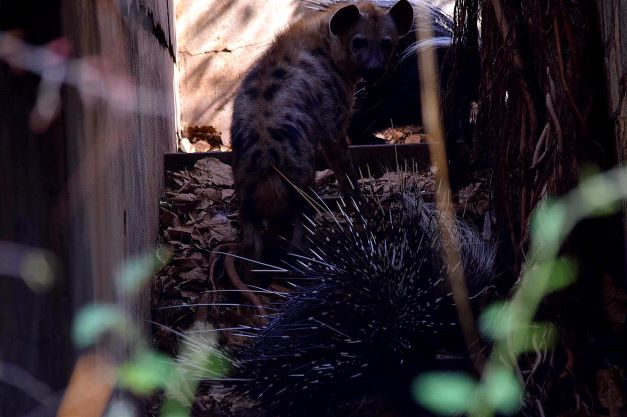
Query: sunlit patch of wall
[(217, 41)]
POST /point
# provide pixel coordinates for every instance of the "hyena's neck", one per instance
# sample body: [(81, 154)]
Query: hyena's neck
[(315, 38)]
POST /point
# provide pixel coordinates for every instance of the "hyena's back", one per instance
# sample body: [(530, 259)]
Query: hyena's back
[(291, 101)]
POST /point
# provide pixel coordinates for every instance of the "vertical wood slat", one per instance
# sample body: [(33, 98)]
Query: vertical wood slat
[(88, 188), (118, 154)]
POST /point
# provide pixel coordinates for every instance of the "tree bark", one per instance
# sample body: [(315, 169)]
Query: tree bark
[(613, 25)]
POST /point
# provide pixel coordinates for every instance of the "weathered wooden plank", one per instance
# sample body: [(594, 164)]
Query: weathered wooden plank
[(117, 148), (87, 188)]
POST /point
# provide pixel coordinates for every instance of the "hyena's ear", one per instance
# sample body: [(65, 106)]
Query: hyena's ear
[(344, 19), (403, 15)]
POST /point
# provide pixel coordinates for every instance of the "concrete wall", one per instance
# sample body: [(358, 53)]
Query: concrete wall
[(217, 41)]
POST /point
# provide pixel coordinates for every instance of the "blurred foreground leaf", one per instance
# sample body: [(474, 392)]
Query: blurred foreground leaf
[(136, 272), (554, 275), (38, 270), (95, 320), (445, 393), (146, 372), (502, 390), (496, 321), (173, 408), (548, 225)]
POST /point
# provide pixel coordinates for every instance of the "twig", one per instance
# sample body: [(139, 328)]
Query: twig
[(537, 157), (518, 63), (450, 247), (213, 261), (525, 201), (556, 124), (229, 264), (562, 73)]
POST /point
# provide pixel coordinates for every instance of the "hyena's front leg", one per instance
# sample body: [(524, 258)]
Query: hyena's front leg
[(339, 159)]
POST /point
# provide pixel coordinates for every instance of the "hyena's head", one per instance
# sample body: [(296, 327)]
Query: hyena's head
[(369, 35)]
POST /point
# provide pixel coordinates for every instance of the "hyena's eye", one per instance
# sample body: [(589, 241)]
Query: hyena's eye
[(358, 43), (386, 43)]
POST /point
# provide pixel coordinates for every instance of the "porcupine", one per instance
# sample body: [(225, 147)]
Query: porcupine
[(369, 310)]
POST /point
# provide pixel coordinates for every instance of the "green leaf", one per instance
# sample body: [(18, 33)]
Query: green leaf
[(561, 273), (548, 224), (145, 373), (37, 268), (600, 195), (533, 338), (95, 320), (546, 277), (496, 321), (173, 408), (135, 272), (445, 393), (502, 390)]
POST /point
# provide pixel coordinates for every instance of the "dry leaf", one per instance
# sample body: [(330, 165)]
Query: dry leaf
[(179, 233), (196, 274), (325, 177), (189, 262), (181, 198), (202, 146), (213, 171), (210, 194), (414, 138), (187, 188), (168, 218), (180, 177), (207, 134), (609, 390), (199, 237), (615, 302), (221, 229)]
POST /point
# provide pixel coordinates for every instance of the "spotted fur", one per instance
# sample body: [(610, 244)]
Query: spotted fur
[(297, 99)]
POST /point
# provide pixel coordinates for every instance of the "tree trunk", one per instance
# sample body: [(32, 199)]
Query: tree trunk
[(613, 22)]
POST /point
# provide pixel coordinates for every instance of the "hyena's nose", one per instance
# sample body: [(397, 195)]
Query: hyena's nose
[(373, 73)]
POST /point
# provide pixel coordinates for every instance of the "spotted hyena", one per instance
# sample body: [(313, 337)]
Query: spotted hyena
[(296, 99)]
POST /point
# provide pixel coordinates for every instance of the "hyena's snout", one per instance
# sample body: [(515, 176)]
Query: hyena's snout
[(373, 73), (372, 61)]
